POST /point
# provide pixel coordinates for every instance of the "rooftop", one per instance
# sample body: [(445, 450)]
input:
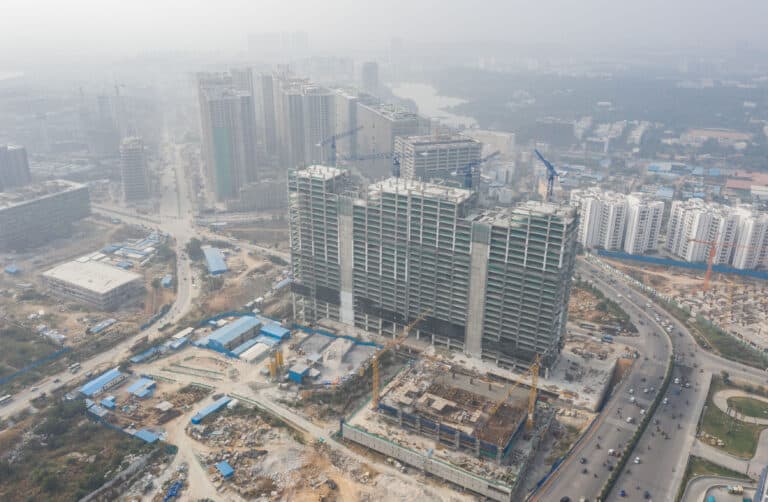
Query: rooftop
[(28, 193), (234, 329), (320, 172), (215, 259), (392, 112), (441, 139), (509, 216), (428, 190), (91, 275), (101, 381)]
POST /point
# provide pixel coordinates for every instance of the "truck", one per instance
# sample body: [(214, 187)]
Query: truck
[(607, 338), (736, 489)]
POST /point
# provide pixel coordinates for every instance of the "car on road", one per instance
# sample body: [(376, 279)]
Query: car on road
[(630, 420), (637, 460), (583, 460)]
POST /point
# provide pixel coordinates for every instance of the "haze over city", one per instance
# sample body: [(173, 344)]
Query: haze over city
[(353, 251)]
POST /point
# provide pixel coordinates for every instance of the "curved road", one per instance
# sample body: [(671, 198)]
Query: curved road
[(612, 429), (662, 473), (178, 223)]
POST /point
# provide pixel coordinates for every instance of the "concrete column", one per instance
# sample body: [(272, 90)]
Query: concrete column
[(478, 277), (346, 258)]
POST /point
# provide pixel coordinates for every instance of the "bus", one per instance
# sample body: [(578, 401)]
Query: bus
[(5, 399), (74, 367)]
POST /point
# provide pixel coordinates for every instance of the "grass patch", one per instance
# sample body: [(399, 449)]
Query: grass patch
[(68, 457), (740, 438), (698, 466), (749, 407), (709, 336), (18, 349)]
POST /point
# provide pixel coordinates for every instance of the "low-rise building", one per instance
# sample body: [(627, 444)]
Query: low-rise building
[(96, 284), (32, 215)]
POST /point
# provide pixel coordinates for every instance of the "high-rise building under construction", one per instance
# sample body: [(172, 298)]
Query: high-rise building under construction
[(493, 283)]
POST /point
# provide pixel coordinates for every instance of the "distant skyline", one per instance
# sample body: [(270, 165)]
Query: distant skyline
[(105, 29)]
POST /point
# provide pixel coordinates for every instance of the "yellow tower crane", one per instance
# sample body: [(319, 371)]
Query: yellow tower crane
[(533, 369), (388, 346)]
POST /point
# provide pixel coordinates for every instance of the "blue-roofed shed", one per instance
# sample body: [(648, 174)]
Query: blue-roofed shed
[(215, 260), (167, 281), (274, 330), (233, 334), (665, 193), (143, 387), (102, 382), (140, 358), (147, 436), (98, 410), (297, 372), (245, 346), (109, 402), (125, 265), (12, 270), (102, 326), (211, 408), (110, 248), (714, 171), (225, 469)]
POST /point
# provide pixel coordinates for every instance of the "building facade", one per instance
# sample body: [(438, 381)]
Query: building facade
[(694, 224), (445, 156), (133, 169), (34, 215), (381, 124), (494, 284), (228, 127), (644, 217), (602, 218), (14, 167), (96, 284)]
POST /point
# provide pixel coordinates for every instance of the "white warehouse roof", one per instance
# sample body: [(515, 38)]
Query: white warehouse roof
[(94, 276)]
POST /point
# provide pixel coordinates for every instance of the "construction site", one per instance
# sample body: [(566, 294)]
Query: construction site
[(455, 425), (736, 304)]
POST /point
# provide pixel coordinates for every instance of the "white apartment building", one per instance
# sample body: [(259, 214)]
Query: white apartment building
[(643, 224), (603, 218), (693, 224), (751, 249)]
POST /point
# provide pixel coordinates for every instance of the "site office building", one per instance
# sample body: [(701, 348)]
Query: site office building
[(494, 283)]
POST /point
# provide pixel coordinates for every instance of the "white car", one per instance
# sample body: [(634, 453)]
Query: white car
[(637, 460), (630, 420)]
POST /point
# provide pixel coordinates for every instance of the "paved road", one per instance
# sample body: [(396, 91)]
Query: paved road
[(698, 487), (662, 474), (182, 230), (721, 401), (612, 430)]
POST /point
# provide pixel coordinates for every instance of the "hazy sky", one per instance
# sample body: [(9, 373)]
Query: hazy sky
[(61, 28)]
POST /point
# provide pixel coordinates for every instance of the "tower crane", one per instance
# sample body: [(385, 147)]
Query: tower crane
[(551, 173), (533, 370), (469, 170), (713, 246), (332, 141), (388, 346)]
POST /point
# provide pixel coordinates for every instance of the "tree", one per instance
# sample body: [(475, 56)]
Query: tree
[(156, 283), (194, 249), (725, 376)]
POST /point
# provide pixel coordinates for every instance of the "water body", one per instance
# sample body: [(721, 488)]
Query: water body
[(433, 105)]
